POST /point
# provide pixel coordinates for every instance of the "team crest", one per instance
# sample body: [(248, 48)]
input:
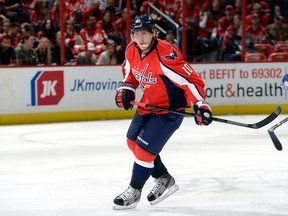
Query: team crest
[(172, 56)]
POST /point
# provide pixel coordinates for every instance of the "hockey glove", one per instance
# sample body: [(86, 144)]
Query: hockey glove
[(125, 94), (203, 113), (285, 82)]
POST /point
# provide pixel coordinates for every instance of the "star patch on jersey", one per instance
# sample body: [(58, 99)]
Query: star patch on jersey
[(172, 56)]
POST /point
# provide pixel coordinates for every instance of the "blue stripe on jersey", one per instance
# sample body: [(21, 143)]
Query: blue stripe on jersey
[(175, 94)]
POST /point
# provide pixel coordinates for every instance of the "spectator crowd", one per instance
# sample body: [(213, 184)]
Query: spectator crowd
[(96, 31)]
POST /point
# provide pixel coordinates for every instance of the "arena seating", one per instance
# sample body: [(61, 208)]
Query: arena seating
[(281, 48), (255, 57), (263, 48), (278, 57)]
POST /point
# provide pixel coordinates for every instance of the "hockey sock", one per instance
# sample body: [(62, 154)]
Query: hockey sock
[(140, 175), (159, 168)]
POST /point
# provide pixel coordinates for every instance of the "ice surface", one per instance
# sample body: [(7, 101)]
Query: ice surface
[(77, 169)]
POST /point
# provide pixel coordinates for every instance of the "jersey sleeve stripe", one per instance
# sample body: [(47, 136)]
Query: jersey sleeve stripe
[(180, 80), (127, 69)]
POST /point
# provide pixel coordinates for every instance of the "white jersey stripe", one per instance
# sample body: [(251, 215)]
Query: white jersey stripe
[(127, 68), (181, 81)]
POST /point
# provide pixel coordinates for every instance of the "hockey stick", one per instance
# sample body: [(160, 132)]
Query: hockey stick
[(273, 136), (257, 125)]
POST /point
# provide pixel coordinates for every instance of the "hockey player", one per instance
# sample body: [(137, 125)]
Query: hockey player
[(284, 82), (158, 68)]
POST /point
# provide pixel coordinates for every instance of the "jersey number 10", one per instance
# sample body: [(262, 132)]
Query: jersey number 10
[(186, 67)]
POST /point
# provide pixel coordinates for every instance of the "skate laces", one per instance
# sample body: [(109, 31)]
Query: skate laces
[(159, 183), (128, 193)]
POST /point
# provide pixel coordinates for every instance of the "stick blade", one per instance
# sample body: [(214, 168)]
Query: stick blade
[(268, 119), (273, 136), (275, 140), (257, 125)]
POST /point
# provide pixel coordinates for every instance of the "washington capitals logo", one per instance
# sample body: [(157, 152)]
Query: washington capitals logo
[(172, 56), (145, 81)]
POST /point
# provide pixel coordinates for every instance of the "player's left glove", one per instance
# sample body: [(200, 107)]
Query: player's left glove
[(203, 113), (285, 82), (125, 94)]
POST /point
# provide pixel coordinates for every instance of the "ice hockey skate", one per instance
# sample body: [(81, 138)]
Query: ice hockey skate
[(128, 199), (165, 186)]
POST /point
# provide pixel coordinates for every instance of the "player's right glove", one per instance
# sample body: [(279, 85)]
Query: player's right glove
[(125, 94), (203, 113), (285, 82)]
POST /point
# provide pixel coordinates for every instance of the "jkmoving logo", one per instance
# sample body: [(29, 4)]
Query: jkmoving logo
[(47, 88)]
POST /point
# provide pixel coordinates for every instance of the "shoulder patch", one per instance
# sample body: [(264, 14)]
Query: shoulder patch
[(172, 56)]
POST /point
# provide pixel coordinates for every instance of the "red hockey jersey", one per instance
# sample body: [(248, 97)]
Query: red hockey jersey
[(165, 78)]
